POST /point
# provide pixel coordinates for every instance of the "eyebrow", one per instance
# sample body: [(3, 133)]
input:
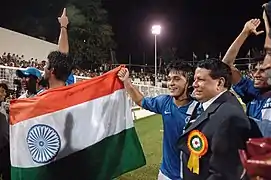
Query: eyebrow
[(174, 75), (259, 69)]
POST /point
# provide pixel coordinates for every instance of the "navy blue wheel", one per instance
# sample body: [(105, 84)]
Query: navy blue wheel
[(43, 143)]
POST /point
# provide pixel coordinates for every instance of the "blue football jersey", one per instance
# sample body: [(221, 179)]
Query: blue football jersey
[(174, 120), (258, 106)]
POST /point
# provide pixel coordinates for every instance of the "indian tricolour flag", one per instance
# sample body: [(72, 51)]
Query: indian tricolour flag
[(78, 132)]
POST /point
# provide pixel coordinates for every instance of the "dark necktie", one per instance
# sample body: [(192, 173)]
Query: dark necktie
[(199, 110)]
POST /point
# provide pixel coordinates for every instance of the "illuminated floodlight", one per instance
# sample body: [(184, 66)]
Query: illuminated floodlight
[(156, 29)]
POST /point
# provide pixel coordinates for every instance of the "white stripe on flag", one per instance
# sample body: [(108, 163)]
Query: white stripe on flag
[(91, 122)]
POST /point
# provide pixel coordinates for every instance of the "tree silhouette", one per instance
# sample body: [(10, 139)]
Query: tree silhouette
[(90, 36)]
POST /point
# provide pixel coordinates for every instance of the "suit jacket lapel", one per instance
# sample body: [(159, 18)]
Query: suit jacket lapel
[(205, 115)]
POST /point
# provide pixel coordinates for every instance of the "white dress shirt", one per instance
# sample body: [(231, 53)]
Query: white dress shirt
[(206, 104)]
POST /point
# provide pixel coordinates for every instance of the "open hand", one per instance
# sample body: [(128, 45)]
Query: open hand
[(251, 27)]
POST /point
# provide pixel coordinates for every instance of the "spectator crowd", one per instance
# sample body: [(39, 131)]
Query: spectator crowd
[(198, 113)]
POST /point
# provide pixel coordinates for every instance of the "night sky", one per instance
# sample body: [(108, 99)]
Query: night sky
[(202, 26)]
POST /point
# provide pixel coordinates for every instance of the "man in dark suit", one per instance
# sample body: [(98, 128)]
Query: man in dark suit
[(210, 144)]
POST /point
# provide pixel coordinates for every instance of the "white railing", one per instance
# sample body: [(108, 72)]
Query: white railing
[(9, 73), (150, 91)]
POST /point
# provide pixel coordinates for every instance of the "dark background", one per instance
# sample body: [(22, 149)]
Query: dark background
[(202, 26)]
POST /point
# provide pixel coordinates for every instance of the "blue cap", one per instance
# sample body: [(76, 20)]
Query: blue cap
[(70, 79), (28, 72)]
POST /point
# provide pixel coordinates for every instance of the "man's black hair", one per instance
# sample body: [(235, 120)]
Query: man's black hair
[(257, 59), (218, 69), (184, 67), (61, 63)]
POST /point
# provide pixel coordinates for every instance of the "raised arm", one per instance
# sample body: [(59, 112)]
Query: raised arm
[(63, 43), (230, 56), (134, 93), (267, 43), (153, 104)]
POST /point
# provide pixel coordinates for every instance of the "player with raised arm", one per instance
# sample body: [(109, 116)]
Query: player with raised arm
[(255, 93), (175, 108), (58, 68)]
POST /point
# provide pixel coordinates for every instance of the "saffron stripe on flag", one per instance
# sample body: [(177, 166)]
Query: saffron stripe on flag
[(79, 126), (90, 89), (84, 131)]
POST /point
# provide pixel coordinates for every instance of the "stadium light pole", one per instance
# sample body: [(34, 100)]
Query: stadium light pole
[(156, 30)]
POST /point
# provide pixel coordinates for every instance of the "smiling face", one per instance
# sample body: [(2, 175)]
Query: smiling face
[(177, 83), (260, 76), (29, 83), (205, 87), (24, 81)]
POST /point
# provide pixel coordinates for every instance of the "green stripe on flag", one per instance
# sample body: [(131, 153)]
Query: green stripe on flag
[(105, 160)]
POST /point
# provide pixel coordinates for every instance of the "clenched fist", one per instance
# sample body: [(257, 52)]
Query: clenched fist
[(123, 74)]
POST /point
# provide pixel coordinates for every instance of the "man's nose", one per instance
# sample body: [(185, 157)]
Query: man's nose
[(256, 73), (170, 82), (195, 84)]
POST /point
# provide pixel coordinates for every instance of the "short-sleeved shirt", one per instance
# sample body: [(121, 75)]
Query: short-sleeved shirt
[(71, 79), (174, 120), (26, 95), (258, 106)]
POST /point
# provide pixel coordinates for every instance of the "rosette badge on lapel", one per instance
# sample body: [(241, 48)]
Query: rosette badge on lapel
[(198, 146)]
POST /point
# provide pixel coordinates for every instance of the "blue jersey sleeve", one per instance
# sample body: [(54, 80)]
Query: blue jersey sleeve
[(154, 104), (70, 79), (246, 90)]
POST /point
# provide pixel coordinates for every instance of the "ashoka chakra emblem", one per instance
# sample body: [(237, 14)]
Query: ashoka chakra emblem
[(43, 143)]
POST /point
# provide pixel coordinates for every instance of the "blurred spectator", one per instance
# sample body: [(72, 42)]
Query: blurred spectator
[(140, 75)]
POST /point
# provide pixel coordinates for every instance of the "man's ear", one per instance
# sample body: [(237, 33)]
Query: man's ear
[(221, 82), (52, 71)]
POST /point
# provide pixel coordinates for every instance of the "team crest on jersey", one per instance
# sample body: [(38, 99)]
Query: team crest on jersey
[(43, 143), (267, 104), (187, 119)]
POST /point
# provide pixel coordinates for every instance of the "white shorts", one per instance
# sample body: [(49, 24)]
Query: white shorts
[(161, 176)]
